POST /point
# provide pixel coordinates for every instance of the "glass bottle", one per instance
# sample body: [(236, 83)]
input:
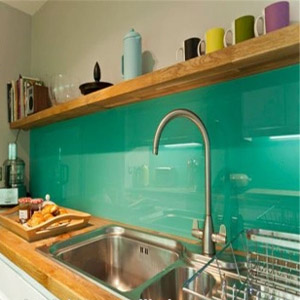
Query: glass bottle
[(14, 170), (24, 209)]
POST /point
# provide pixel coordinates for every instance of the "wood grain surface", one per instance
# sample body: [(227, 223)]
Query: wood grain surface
[(60, 281), (273, 50), (73, 220)]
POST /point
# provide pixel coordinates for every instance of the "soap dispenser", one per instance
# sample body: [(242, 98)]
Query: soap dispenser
[(132, 55)]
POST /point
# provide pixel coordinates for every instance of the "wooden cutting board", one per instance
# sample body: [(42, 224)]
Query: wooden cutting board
[(73, 220)]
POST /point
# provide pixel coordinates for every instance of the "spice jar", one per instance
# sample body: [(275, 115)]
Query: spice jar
[(24, 209), (36, 205)]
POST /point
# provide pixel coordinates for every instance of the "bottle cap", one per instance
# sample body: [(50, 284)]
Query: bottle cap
[(132, 34)]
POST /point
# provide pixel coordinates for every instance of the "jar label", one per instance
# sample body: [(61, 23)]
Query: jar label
[(23, 214)]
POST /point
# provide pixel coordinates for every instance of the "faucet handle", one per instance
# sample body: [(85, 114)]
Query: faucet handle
[(220, 237), (196, 232), (195, 224)]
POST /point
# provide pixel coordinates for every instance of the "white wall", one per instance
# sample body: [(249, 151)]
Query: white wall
[(15, 54), (69, 36)]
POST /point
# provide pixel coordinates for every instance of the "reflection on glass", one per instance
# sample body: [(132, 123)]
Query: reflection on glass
[(105, 165), (286, 137), (183, 145)]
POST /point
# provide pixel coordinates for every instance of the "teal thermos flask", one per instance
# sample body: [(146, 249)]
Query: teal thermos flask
[(132, 55)]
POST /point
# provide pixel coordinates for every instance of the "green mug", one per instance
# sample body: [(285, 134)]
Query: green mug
[(242, 30)]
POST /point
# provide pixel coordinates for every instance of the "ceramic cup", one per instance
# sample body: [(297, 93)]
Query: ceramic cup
[(189, 49), (242, 30), (275, 16), (213, 41)]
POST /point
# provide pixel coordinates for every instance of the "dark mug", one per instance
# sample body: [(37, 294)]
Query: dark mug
[(190, 49)]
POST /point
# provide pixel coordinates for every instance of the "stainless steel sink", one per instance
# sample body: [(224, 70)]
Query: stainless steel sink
[(136, 265), (170, 285), (120, 258)]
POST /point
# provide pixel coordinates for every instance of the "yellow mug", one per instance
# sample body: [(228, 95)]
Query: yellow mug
[(213, 41)]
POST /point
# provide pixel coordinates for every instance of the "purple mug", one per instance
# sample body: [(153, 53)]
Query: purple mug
[(275, 16)]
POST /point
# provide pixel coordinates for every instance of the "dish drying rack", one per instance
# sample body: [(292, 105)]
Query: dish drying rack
[(271, 268)]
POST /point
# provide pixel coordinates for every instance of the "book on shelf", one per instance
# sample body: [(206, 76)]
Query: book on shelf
[(15, 100), (26, 83), (19, 99), (10, 100), (17, 96), (8, 96)]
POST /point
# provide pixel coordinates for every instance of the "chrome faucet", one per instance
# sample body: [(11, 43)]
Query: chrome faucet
[(209, 238)]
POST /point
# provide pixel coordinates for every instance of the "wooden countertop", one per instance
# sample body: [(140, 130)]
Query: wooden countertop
[(60, 281)]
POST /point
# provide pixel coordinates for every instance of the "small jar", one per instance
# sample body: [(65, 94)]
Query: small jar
[(24, 209), (36, 205)]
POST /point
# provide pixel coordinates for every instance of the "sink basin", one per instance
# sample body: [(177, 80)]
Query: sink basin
[(170, 285), (120, 258), (135, 265), (138, 265)]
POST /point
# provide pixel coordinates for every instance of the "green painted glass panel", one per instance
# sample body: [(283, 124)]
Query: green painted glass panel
[(102, 163)]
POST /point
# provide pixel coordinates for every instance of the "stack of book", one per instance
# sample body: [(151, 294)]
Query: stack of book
[(17, 96)]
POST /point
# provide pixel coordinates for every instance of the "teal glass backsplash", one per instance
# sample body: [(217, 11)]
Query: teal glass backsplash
[(103, 164)]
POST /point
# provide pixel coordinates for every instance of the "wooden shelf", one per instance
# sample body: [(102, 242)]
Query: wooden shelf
[(274, 50)]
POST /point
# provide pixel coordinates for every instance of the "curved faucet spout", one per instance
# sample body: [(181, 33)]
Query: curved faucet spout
[(181, 113), (198, 122), (208, 245)]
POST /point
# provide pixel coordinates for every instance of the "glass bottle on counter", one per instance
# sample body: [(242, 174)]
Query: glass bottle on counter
[(14, 171)]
